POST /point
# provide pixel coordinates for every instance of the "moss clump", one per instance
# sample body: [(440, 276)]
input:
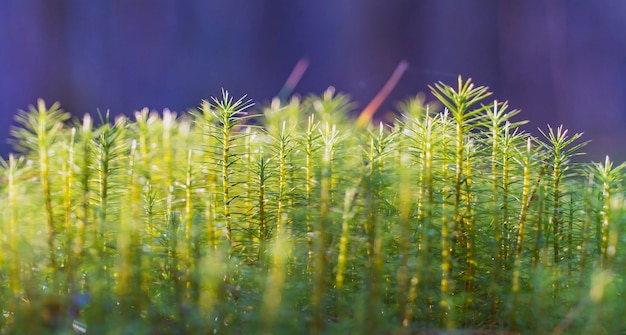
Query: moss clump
[(295, 219)]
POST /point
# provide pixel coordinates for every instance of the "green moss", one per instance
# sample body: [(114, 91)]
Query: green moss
[(294, 219)]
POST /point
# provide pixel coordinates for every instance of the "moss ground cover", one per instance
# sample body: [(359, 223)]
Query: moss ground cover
[(296, 219)]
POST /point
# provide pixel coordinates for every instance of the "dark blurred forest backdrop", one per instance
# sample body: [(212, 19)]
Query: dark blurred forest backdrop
[(560, 61)]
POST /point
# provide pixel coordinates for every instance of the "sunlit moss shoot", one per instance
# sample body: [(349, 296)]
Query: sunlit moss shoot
[(290, 218)]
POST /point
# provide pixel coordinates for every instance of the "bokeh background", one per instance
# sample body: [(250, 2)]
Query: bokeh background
[(560, 61)]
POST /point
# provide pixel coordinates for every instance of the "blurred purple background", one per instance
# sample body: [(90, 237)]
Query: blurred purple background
[(561, 62)]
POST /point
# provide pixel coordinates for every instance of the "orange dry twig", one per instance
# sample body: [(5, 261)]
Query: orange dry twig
[(366, 115)]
